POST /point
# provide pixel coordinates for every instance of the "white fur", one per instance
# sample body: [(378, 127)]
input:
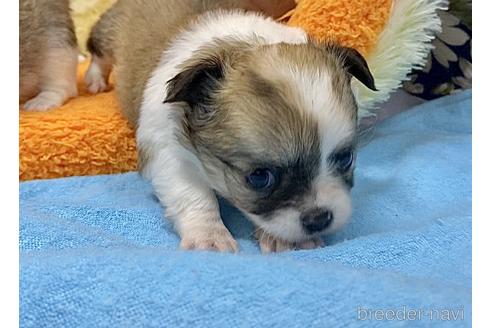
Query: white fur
[(332, 194), (285, 225), (177, 175), (316, 96), (96, 78)]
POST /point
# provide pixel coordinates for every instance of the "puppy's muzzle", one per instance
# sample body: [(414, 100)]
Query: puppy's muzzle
[(316, 220)]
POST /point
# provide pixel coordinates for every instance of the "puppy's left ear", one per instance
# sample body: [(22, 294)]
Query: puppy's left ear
[(356, 65), (200, 80), (195, 83)]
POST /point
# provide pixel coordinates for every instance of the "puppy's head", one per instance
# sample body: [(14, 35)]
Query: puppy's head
[(275, 128)]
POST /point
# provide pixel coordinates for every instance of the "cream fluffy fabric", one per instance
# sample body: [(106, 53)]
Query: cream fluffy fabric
[(403, 45)]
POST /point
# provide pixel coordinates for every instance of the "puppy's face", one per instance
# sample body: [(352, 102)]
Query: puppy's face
[(275, 128)]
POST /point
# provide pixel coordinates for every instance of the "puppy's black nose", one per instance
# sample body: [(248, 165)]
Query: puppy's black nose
[(316, 220)]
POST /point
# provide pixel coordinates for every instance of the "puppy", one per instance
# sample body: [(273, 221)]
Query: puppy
[(48, 54), (227, 101)]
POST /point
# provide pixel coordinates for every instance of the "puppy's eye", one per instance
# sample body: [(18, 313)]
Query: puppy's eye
[(261, 179), (344, 160)]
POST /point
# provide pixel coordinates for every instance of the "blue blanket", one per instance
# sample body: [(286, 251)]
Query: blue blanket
[(96, 252)]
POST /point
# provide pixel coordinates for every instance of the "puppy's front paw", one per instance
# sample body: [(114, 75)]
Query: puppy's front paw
[(95, 83), (95, 80), (212, 239), (310, 243), (270, 244), (44, 101)]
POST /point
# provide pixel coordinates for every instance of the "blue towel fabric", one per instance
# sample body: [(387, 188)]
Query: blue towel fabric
[(96, 252)]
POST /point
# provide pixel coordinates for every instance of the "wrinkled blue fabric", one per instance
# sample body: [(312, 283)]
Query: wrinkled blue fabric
[(96, 251)]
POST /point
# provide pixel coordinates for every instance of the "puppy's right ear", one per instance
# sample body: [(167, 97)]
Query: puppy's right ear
[(356, 65), (196, 83), (353, 63)]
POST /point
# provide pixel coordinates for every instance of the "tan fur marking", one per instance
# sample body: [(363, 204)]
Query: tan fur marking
[(47, 51), (135, 61)]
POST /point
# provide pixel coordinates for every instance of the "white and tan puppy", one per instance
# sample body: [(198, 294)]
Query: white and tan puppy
[(231, 102), (48, 54)]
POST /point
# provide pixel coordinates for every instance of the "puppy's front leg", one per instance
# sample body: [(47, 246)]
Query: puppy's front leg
[(58, 79), (180, 184)]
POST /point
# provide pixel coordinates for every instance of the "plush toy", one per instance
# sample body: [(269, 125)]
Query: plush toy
[(89, 136)]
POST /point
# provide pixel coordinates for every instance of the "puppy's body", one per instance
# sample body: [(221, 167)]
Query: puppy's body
[(136, 32), (48, 54), (225, 100)]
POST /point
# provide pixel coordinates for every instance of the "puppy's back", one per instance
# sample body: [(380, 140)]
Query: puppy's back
[(134, 33)]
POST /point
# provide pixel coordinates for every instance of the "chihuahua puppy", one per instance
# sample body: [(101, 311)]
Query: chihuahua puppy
[(227, 101), (48, 54)]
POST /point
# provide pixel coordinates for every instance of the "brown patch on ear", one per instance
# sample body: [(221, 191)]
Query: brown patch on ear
[(353, 63), (195, 83), (203, 72), (201, 79), (356, 65)]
